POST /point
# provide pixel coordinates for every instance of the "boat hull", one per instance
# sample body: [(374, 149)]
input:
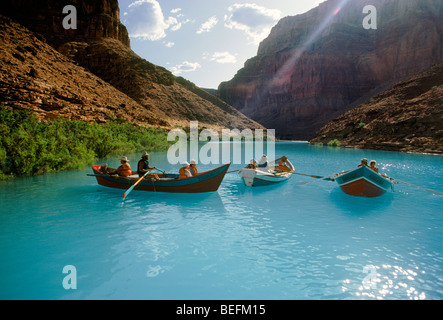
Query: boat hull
[(363, 182), (204, 182), (257, 178)]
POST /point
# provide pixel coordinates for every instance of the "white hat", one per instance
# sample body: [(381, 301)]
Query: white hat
[(124, 159), (185, 164), (252, 161), (193, 161)]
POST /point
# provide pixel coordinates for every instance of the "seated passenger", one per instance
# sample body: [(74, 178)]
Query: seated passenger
[(252, 164), (372, 165), (124, 170), (185, 171), (283, 165), (193, 168)]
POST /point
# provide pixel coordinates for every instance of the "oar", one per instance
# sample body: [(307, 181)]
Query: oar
[(233, 171), (133, 186), (413, 185), (301, 174), (321, 178)]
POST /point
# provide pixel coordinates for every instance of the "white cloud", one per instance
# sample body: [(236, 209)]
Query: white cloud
[(222, 57), (208, 25), (169, 44), (254, 20), (185, 66), (144, 20)]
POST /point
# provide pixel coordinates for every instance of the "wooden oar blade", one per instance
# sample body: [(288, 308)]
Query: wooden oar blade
[(320, 178), (133, 186)]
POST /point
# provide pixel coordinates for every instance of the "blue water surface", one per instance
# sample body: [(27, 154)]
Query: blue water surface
[(289, 241)]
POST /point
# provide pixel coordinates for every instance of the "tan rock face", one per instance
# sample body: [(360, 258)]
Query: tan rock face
[(407, 117), (316, 66), (113, 79), (35, 76)]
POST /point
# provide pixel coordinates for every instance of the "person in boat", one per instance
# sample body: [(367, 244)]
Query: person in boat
[(143, 167), (185, 171), (263, 162), (123, 171), (193, 167), (372, 165), (364, 162), (252, 164), (283, 164)]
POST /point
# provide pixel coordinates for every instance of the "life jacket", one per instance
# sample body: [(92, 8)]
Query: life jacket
[(263, 165), (124, 170), (145, 166), (193, 170), (282, 166), (184, 173)]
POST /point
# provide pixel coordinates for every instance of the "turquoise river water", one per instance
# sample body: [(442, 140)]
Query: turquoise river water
[(284, 242)]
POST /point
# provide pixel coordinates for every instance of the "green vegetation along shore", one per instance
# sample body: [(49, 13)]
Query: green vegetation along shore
[(30, 147)]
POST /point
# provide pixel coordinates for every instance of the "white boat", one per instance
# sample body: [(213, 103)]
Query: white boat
[(265, 176)]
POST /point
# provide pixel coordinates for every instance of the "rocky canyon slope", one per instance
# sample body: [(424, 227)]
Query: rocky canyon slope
[(315, 66), (407, 117), (44, 79)]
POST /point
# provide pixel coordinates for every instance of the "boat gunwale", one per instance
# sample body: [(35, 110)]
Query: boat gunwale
[(135, 179)]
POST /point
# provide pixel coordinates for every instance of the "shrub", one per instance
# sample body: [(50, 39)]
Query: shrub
[(29, 147), (334, 143)]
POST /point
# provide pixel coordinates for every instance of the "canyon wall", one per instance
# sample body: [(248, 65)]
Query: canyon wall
[(407, 117), (100, 45), (315, 66), (95, 19)]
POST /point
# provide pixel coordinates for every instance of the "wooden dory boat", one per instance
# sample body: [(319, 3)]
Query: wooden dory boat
[(258, 177), (363, 182), (208, 181)]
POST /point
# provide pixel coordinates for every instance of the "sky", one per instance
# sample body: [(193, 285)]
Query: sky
[(204, 41)]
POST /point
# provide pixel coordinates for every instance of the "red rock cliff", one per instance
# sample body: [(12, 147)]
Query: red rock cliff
[(315, 66), (95, 19)]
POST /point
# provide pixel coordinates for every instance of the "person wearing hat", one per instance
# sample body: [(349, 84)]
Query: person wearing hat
[(143, 166), (372, 165), (263, 162), (124, 170), (193, 168), (364, 162), (185, 171), (252, 164), (283, 164)]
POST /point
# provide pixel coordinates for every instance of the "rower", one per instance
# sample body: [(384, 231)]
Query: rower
[(283, 164), (143, 167), (364, 162), (263, 162)]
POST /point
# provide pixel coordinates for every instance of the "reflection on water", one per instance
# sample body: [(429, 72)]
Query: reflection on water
[(286, 242), (360, 205)]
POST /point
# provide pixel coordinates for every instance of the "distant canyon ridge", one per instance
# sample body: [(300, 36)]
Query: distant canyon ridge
[(316, 66)]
